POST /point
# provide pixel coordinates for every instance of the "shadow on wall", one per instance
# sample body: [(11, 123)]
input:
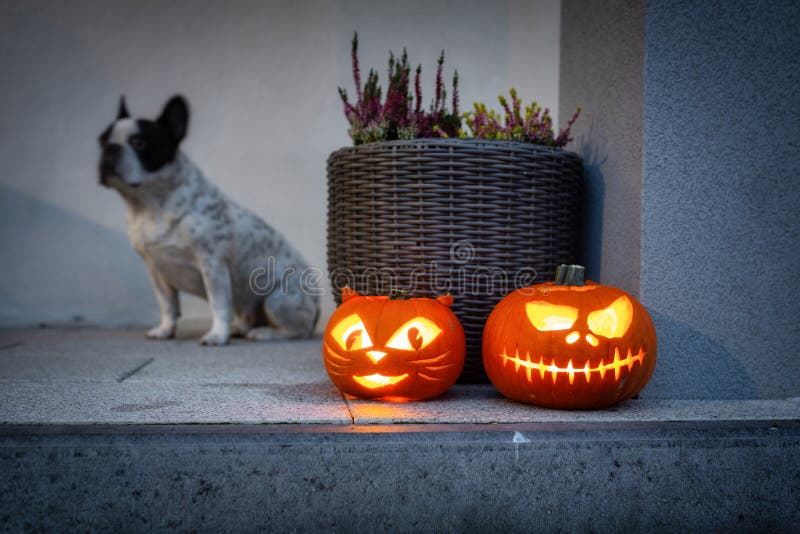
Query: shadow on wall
[(590, 244), (692, 366), (59, 268)]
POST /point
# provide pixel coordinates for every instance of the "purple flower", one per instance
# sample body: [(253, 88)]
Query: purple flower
[(400, 114)]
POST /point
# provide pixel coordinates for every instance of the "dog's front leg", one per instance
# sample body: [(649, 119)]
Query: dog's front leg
[(169, 304), (217, 280)]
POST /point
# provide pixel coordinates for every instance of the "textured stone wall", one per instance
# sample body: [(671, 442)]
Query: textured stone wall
[(602, 57), (721, 207), (714, 213)]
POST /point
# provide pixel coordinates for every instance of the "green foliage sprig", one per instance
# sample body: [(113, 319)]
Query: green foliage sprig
[(531, 125)]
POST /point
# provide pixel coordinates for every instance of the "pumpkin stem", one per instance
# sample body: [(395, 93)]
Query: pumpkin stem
[(570, 275), (398, 294)]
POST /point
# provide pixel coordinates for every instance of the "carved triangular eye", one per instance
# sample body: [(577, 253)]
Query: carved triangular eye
[(416, 334), (546, 317), (351, 334), (613, 321)]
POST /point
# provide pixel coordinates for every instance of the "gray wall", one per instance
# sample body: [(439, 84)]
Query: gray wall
[(716, 207), (261, 77), (721, 205), (602, 51)]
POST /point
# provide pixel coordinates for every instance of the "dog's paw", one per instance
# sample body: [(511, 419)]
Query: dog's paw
[(267, 333), (161, 332), (214, 339), (239, 328)]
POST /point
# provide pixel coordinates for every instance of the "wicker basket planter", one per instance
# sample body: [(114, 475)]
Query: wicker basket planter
[(472, 217)]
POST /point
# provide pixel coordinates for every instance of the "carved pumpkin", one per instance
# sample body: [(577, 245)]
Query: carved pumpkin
[(395, 349), (569, 344)]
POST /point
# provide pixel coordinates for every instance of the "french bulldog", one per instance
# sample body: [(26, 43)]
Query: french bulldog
[(193, 238)]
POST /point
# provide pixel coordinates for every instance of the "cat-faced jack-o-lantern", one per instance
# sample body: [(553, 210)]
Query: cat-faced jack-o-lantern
[(393, 348), (569, 344)]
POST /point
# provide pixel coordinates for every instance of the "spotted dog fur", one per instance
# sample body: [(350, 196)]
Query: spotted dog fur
[(194, 239)]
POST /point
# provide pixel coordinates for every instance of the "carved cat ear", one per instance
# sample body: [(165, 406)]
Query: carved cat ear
[(348, 293), (445, 300)]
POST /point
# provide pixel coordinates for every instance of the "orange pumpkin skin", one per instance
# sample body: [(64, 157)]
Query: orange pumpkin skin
[(397, 350), (566, 363)]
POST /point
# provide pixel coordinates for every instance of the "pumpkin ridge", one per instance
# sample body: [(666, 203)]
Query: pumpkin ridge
[(428, 361), (536, 355), (431, 360), (335, 354)]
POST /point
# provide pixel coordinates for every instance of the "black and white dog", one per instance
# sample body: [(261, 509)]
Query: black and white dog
[(196, 240)]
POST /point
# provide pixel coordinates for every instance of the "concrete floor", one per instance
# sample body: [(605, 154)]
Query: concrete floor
[(104, 430), (115, 376)]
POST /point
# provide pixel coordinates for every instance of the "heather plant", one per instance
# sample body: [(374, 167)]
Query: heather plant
[(400, 115), (535, 125)]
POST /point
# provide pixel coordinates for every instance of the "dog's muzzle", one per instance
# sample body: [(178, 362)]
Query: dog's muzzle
[(109, 162)]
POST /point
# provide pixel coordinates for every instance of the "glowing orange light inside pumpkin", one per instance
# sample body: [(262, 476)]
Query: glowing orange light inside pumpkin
[(416, 334), (393, 348), (376, 355), (351, 334), (530, 364), (576, 344), (613, 321), (378, 380), (573, 337), (545, 316)]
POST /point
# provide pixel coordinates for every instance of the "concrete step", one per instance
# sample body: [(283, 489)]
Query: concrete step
[(101, 430), (84, 376), (687, 476)]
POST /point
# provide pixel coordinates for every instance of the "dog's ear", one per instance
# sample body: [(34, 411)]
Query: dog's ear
[(122, 112), (175, 118)]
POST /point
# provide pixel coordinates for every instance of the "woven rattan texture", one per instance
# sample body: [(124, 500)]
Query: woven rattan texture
[(471, 217)]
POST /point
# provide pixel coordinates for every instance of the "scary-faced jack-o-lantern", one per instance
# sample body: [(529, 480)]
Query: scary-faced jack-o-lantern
[(393, 348), (569, 344)]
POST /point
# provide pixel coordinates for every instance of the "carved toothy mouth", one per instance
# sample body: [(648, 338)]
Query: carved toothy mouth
[(378, 380), (541, 368), (426, 368)]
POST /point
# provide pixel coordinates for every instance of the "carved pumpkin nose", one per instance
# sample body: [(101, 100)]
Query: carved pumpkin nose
[(574, 336), (375, 355)]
